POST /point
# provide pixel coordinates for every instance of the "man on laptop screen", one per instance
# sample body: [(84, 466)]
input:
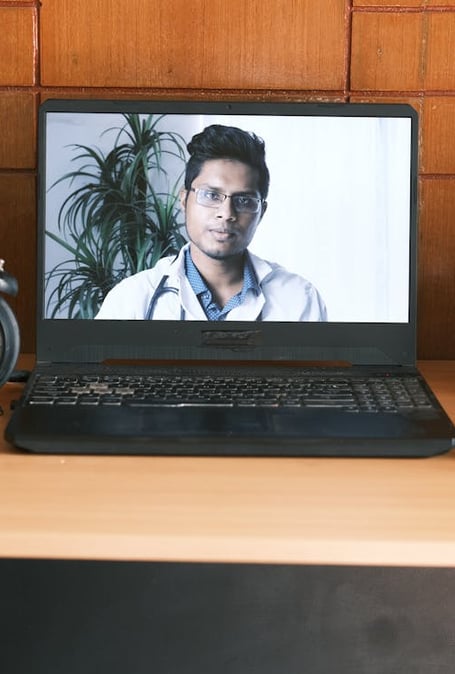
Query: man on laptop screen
[(215, 277)]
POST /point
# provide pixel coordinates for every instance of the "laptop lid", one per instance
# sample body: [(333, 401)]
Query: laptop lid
[(341, 214)]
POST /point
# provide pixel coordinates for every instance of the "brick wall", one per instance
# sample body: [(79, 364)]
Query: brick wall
[(360, 50)]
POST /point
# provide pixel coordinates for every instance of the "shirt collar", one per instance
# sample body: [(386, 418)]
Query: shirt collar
[(199, 286)]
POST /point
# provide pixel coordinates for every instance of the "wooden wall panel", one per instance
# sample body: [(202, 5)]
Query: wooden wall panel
[(18, 247), (438, 152), (202, 44), (17, 46), (440, 63), (18, 125), (437, 269), (386, 51), (389, 50)]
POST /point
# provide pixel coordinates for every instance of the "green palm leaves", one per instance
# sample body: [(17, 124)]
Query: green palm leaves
[(122, 216)]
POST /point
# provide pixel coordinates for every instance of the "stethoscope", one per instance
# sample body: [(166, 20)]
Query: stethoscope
[(161, 290)]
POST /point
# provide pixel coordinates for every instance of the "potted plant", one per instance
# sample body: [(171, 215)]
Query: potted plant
[(120, 219)]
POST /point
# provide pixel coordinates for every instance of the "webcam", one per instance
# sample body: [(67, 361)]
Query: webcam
[(9, 329)]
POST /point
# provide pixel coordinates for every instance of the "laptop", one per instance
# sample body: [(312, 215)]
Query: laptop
[(311, 351)]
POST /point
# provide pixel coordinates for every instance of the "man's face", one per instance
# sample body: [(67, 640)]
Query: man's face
[(222, 232)]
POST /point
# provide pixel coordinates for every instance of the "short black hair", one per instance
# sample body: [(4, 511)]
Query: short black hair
[(227, 142)]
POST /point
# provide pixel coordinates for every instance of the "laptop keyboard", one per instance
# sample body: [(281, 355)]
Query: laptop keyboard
[(358, 394)]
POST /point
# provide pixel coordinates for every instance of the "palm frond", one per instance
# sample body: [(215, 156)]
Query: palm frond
[(115, 221)]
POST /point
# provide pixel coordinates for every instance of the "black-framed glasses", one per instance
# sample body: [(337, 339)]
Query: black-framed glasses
[(242, 203)]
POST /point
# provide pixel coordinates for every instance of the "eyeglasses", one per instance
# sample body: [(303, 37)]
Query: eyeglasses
[(242, 203)]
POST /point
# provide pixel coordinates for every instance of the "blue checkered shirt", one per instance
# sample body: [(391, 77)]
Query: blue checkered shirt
[(212, 310)]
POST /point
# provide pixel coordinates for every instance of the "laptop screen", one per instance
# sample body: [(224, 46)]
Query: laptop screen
[(228, 213)]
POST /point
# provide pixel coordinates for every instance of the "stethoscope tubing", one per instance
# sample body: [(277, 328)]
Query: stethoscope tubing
[(161, 290)]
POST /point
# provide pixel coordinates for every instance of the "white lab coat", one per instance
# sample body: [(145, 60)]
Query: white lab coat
[(284, 296)]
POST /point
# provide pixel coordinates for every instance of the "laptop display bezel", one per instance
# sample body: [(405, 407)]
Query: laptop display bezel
[(357, 343)]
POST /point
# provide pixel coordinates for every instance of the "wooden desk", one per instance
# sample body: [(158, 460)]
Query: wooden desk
[(308, 511)]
